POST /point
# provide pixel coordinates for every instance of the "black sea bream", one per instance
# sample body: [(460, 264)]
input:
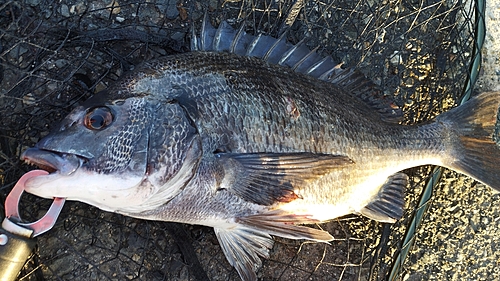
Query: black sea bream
[(254, 137)]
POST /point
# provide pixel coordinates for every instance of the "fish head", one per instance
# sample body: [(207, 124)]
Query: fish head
[(117, 154)]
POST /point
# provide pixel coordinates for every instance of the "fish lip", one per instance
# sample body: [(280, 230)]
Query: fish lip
[(54, 161)]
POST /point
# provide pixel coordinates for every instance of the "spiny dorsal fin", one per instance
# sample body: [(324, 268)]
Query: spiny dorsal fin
[(267, 178), (388, 205), (270, 49), (297, 57)]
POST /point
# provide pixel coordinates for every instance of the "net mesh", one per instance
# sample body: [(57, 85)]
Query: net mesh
[(55, 54)]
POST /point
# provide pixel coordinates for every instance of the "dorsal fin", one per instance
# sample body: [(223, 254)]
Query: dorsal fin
[(357, 84), (298, 58), (224, 38)]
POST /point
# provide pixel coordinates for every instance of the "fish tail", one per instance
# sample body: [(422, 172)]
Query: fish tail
[(476, 138)]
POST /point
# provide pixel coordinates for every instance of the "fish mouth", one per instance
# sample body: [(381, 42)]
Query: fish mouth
[(53, 161)]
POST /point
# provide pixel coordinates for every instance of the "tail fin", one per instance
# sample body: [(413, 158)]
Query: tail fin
[(477, 147)]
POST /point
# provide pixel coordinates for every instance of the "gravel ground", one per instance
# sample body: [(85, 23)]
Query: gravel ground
[(490, 73), (460, 235)]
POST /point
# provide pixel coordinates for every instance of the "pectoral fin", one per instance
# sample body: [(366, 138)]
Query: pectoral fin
[(249, 239), (388, 205), (267, 178)]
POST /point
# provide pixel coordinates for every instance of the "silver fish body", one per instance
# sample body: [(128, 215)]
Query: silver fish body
[(252, 149)]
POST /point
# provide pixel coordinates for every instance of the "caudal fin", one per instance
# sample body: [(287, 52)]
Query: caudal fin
[(477, 144)]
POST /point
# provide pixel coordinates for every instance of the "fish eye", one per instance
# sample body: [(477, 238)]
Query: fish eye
[(98, 118)]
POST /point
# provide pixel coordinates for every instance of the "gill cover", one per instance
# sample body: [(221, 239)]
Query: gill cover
[(131, 149)]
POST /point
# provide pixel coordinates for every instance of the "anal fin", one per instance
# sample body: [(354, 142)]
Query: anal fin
[(388, 204)]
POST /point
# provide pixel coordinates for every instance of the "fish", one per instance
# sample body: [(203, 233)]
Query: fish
[(254, 137)]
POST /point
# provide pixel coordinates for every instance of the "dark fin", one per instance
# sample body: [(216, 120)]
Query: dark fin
[(281, 41), (297, 57), (357, 84), (283, 224), (275, 51), (267, 178), (388, 205), (477, 141), (243, 247), (249, 239)]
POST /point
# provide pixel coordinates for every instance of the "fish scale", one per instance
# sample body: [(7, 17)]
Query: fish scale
[(329, 109), (251, 148), (380, 150)]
